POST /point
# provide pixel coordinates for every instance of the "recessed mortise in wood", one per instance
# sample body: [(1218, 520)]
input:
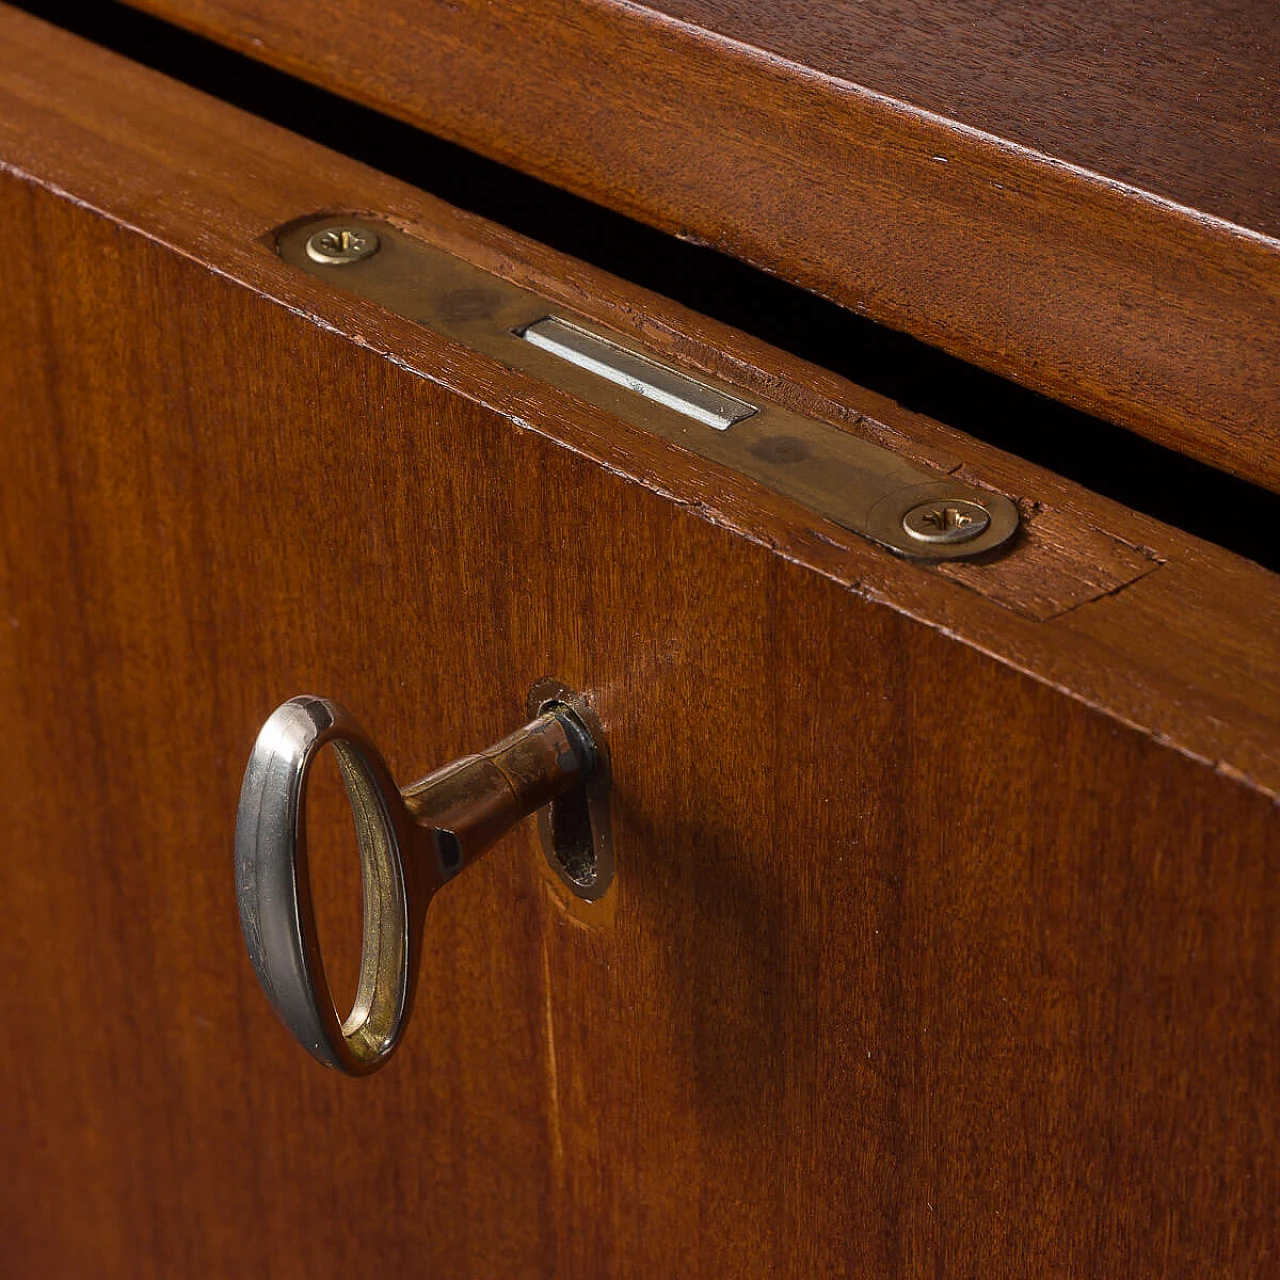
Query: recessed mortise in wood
[(853, 482), (1054, 564), (574, 828)]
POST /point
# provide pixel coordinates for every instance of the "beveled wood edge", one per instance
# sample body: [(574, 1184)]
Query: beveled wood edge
[(211, 183), (1109, 297)]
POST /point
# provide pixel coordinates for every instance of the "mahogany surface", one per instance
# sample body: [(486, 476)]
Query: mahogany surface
[(1080, 197), (945, 933), (1179, 99)]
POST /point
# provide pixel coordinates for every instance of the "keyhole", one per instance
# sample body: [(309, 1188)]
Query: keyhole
[(574, 827)]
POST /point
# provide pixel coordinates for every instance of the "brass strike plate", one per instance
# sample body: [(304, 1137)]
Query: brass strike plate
[(858, 485)]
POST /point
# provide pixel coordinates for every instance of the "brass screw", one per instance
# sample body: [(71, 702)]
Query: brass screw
[(336, 246), (952, 520)]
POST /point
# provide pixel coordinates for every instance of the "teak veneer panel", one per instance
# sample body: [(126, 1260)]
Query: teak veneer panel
[(943, 940), (1080, 197)]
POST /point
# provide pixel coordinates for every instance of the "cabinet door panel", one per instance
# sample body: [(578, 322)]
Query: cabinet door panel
[(942, 941)]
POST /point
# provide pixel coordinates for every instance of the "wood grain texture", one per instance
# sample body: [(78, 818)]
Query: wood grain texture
[(1081, 198), (943, 941), (1176, 99)]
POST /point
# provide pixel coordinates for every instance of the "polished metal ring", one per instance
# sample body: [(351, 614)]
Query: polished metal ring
[(273, 887)]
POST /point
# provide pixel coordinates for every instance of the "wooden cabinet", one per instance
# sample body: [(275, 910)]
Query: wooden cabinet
[(945, 931)]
